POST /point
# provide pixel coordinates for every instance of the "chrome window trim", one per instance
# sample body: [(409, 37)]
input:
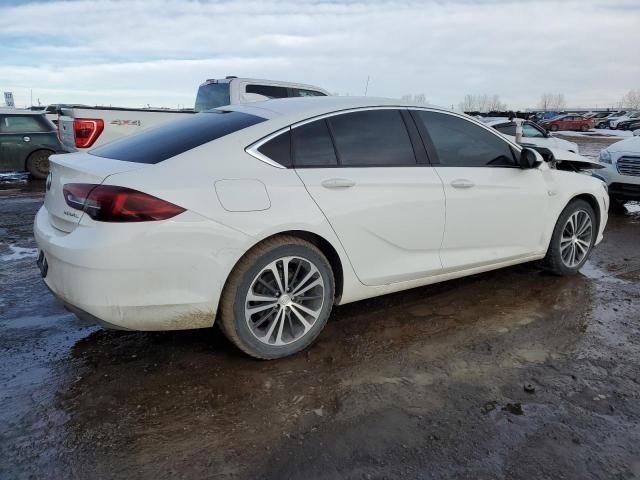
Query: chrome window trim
[(253, 148)]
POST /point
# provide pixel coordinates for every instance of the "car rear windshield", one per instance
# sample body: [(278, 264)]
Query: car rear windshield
[(158, 144), (212, 95)]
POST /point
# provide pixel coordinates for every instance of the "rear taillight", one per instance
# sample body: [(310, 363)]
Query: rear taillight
[(108, 203), (87, 130)]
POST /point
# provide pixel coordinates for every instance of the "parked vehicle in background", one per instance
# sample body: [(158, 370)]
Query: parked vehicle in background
[(532, 134), (81, 128), (606, 123), (27, 139), (631, 124), (614, 123), (542, 116), (600, 119), (622, 169), (231, 90), (88, 127), (567, 122), (262, 217)]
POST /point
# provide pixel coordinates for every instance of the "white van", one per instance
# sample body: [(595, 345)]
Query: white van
[(231, 90)]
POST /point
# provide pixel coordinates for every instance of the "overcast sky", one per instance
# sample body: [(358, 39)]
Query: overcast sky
[(157, 52)]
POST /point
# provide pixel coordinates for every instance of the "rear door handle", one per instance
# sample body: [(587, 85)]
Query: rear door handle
[(338, 183), (462, 183)]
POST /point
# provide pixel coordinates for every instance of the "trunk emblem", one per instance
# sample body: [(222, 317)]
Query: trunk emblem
[(49, 180)]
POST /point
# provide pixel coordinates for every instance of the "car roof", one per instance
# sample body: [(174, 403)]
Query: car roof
[(299, 108), (16, 111)]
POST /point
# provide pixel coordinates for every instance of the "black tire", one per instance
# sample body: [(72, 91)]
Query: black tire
[(554, 128), (38, 164), (553, 261), (231, 313)]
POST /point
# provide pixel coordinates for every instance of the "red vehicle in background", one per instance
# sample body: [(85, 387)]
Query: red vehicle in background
[(567, 122)]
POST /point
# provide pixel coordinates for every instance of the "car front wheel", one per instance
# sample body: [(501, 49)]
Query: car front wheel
[(572, 240), (278, 298)]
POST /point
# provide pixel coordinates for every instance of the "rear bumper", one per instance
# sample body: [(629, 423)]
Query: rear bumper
[(164, 276)]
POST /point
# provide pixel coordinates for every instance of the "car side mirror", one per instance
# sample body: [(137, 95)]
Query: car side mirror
[(529, 158)]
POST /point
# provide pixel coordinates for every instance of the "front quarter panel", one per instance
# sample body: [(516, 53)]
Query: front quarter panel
[(564, 186)]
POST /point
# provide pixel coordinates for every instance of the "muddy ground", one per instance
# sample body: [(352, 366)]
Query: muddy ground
[(513, 374)]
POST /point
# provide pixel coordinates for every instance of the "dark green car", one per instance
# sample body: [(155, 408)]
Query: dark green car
[(27, 139)]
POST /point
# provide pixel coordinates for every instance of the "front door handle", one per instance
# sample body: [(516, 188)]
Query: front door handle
[(338, 183), (462, 183)]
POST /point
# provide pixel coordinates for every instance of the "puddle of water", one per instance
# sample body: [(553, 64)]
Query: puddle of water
[(593, 272), (19, 253)]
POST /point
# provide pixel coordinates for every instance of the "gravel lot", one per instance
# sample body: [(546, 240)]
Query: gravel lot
[(513, 374)]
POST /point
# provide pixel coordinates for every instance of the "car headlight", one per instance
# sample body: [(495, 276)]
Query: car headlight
[(605, 157)]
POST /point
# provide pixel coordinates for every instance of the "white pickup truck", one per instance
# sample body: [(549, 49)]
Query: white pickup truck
[(81, 128)]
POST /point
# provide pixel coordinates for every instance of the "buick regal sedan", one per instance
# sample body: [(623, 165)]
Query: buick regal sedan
[(261, 217)]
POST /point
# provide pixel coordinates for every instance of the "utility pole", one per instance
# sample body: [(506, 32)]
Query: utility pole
[(366, 87)]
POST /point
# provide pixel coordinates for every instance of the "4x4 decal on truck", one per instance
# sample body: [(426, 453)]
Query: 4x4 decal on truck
[(126, 122)]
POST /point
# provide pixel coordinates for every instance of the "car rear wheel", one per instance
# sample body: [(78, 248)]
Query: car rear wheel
[(278, 298), (584, 128), (572, 240), (38, 164), (554, 128)]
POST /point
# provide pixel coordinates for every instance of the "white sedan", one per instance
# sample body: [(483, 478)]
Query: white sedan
[(263, 216)]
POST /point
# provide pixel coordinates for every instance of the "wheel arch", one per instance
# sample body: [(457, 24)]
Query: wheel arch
[(324, 245), (593, 202)]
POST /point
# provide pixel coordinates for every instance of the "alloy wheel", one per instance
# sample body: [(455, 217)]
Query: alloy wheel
[(284, 301), (576, 238)]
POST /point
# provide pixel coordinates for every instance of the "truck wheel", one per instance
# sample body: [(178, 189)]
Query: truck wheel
[(572, 240), (278, 298), (38, 164)]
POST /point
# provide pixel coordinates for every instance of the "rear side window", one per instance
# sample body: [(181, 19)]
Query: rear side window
[(301, 92), (270, 91), (278, 149), (158, 144), (461, 143), (22, 124), (374, 138), (312, 146)]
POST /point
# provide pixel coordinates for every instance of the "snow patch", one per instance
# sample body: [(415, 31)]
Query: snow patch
[(18, 253)]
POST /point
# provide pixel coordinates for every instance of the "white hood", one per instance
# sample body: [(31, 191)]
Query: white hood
[(577, 160), (630, 145)]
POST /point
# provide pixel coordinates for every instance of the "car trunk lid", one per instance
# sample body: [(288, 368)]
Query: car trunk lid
[(76, 168)]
